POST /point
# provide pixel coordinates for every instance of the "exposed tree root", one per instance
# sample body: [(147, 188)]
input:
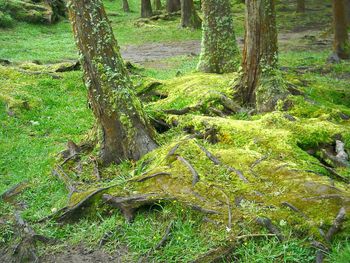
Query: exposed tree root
[(25, 250), (267, 223), (216, 161), (130, 204), (293, 208), (223, 252), (337, 224), (13, 191), (160, 244), (68, 182), (140, 180), (191, 168)]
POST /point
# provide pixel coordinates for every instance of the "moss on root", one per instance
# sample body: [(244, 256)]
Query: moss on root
[(269, 150)]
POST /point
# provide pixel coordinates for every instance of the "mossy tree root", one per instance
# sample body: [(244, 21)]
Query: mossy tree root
[(128, 205)]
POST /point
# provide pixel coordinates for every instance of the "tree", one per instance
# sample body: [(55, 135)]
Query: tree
[(126, 7), (189, 16), (157, 5), (219, 52), (146, 8), (260, 85), (348, 12), (341, 44), (173, 6), (126, 132), (300, 6)]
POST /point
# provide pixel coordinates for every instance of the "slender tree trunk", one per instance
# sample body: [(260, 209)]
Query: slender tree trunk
[(189, 16), (220, 53), (173, 6), (301, 6), (126, 7), (146, 8), (157, 5), (125, 128), (341, 44), (257, 86)]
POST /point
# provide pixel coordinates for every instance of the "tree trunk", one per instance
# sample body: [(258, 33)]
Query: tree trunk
[(301, 6), (189, 16), (259, 85), (125, 129), (341, 44), (157, 5), (220, 53), (348, 12), (126, 7), (173, 6), (146, 8)]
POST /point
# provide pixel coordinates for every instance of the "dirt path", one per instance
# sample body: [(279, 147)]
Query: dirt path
[(160, 51)]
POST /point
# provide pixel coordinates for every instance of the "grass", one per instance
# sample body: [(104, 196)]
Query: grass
[(58, 112)]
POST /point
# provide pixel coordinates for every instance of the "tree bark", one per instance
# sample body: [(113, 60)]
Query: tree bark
[(260, 84), (219, 52), (125, 128), (126, 7), (301, 6), (189, 16), (173, 6), (157, 5), (341, 44), (348, 12), (146, 8)]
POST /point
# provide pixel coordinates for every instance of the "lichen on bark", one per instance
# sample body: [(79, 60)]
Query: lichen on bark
[(219, 51), (125, 128)]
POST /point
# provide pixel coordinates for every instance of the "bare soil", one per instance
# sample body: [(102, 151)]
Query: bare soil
[(150, 52)]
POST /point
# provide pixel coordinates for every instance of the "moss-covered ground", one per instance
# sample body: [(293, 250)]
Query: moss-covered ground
[(40, 113)]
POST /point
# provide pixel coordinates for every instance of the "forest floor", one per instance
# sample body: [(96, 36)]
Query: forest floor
[(41, 109)]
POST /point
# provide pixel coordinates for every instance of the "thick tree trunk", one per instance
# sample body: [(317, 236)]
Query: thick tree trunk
[(341, 45), (220, 53), (301, 6), (146, 8), (126, 7), (173, 6), (157, 5), (189, 16), (125, 128), (348, 12), (257, 86)]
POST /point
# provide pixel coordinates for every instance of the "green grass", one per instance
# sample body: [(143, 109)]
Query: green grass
[(58, 112)]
